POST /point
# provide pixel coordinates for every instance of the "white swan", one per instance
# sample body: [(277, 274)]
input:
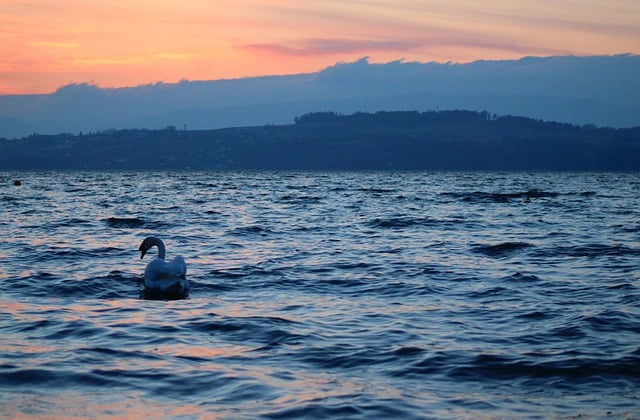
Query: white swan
[(161, 277)]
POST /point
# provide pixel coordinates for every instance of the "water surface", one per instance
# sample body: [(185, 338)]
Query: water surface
[(366, 295)]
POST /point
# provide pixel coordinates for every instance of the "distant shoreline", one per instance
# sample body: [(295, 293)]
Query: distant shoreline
[(326, 141)]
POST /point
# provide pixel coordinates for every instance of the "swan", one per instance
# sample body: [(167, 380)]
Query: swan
[(161, 277)]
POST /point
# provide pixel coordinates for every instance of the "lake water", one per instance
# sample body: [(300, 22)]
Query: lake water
[(357, 295)]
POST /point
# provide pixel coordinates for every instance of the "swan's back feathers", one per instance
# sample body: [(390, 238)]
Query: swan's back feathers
[(167, 277), (159, 269), (179, 266)]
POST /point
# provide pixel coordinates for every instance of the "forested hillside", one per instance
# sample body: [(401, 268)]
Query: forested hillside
[(435, 140)]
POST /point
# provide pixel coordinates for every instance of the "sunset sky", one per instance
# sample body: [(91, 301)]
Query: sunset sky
[(46, 44)]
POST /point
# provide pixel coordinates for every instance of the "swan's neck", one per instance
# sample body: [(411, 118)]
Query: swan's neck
[(158, 242)]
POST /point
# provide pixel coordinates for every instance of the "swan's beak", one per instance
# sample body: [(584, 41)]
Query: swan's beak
[(142, 251)]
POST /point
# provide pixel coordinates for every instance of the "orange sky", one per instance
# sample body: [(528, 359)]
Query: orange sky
[(46, 44)]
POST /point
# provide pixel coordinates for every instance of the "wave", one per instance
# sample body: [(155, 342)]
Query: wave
[(524, 278), (252, 230), (137, 223), (486, 197), (124, 222), (614, 322), (376, 190), (8, 199), (391, 408), (464, 366), (115, 285), (259, 331), (61, 255), (501, 250), (74, 221), (592, 250), (571, 368), (300, 199), (401, 222), (630, 229)]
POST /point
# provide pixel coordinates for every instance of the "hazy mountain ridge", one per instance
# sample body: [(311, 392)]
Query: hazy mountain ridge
[(436, 140), (603, 90)]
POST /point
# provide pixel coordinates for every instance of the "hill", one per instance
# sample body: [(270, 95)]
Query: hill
[(435, 140)]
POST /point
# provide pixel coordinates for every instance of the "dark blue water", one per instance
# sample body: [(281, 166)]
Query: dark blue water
[(362, 295)]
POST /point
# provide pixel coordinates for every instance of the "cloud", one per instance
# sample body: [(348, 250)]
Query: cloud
[(132, 59), (114, 60), (55, 45), (331, 46), (172, 56), (512, 46), (335, 46), (620, 21)]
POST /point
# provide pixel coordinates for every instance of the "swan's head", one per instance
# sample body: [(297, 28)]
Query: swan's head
[(143, 250), (146, 245), (150, 242)]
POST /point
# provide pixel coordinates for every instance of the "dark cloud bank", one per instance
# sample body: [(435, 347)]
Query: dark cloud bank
[(601, 90)]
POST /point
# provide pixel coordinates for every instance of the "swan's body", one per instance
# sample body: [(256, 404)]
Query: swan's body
[(161, 277)]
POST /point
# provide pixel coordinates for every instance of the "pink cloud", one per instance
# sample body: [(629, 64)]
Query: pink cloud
[(335, 46), (331, 46)]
